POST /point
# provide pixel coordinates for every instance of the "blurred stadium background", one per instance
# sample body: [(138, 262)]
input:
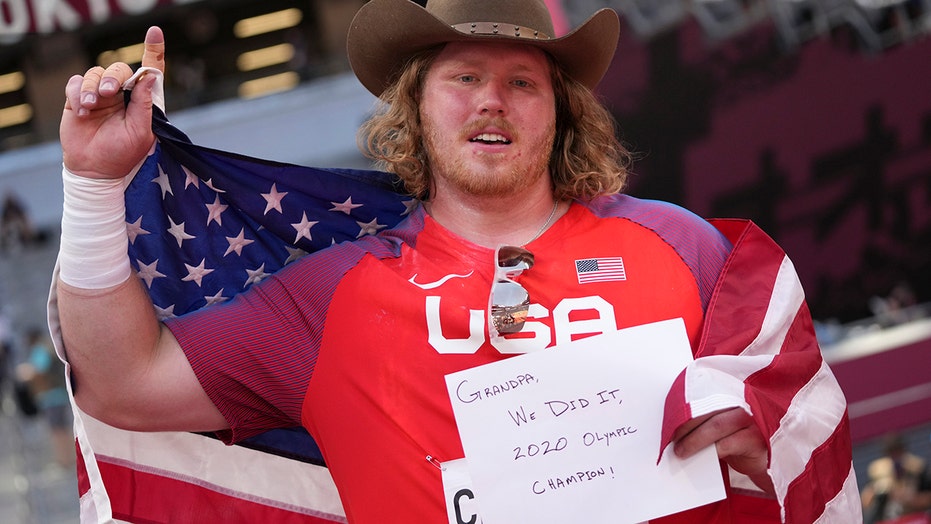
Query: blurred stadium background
[(812, 117)]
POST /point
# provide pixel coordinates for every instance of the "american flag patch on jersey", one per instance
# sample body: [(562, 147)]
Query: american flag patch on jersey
[(600, 269)]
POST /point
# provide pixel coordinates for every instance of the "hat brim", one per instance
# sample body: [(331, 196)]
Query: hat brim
[(384, 34)]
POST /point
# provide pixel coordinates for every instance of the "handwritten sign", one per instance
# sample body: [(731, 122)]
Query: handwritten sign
[(571, 434)]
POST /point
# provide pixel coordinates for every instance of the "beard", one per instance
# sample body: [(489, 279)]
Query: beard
[(487, 175)]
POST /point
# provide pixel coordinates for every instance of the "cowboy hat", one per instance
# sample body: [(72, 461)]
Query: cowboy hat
[(385, 33)]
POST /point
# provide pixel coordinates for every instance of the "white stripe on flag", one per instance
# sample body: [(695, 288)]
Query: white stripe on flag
[(813, 416), (187, 456), (846, 504), (784, 302), (600, 269)]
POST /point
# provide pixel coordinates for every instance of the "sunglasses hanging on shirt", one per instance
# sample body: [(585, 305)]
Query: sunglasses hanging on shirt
[(509, 302)]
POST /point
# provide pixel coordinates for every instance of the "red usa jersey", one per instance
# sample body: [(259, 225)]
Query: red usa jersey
[(354, 342)]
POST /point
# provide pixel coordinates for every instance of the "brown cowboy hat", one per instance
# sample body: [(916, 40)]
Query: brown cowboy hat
[(385, 33)]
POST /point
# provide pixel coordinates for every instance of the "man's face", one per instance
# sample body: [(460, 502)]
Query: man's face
[(488, 112)]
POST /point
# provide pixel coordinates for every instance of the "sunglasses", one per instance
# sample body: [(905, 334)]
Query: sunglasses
[(509, 301)]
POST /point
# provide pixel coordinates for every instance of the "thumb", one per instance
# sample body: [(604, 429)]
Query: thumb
[(139, 110), (153, 54)]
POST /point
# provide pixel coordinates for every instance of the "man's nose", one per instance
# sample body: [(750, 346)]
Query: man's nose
[(492, 99)]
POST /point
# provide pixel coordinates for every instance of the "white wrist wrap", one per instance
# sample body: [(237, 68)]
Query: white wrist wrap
[(93, 233)]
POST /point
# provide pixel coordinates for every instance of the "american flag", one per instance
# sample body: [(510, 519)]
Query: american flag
[(204, 225), (600, 269), (758, 351)]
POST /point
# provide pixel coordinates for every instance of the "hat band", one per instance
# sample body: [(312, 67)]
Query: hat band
[(495, 28)]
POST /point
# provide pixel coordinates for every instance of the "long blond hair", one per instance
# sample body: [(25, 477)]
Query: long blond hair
[(587, 158)]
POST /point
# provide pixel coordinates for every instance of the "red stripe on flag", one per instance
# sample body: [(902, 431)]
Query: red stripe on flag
[(823, 478), (746, 296), (84, 483), (773, 387), (142, 497), (676, 412)]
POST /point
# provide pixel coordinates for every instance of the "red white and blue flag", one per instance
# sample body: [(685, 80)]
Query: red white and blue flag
[(600, 270), (206, 224), (758, 351)]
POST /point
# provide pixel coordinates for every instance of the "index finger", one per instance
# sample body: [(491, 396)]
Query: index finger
[(706, 430), (690, 425), (153, 54)]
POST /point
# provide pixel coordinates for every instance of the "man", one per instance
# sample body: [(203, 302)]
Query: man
[(899, 484), (45, 375), (490, 121)]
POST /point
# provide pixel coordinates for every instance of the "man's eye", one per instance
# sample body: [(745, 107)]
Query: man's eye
[(522, 83), (467, 79)]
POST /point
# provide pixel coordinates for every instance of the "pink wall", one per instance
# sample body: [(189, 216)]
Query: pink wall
[(708, 118)]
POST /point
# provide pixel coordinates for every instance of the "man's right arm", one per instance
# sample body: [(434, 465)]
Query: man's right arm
[(129, 370)]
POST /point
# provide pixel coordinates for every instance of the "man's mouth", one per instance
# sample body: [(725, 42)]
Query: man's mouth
[(490, 138)]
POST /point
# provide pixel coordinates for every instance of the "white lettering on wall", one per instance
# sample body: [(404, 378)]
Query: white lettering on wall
[(21, 17), (99, 10), (135, 7), (16, 22), (52, 15)]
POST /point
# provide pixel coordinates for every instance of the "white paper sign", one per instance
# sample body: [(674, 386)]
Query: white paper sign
[(571, 434)]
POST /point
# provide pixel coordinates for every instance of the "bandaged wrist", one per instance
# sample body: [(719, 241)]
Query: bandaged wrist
[(93, 247)]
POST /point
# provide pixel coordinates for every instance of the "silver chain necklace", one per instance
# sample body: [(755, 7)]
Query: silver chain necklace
[(545, 224)]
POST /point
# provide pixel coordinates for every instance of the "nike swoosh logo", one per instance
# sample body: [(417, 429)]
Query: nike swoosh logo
[(438, 283)]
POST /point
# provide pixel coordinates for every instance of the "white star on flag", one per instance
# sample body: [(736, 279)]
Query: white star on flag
[(177, 231), (190, 179), (215, 211), (369, 228), (303, 228), (256, 275), (148, 272), (165, 312), (134, 229), (294, 253), (410, 206), (345, 207), (273, 198), (216, 299), (197, 273), (162, 181), (237, 243), (209, 183)]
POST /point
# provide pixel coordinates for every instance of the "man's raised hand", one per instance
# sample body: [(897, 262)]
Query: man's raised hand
[(102, 137)]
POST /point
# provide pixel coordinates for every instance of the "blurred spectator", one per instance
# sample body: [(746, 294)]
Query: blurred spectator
[(190, 75), (897, 307), (44, 372), (15, 227), (829, 331), (899, 486)]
